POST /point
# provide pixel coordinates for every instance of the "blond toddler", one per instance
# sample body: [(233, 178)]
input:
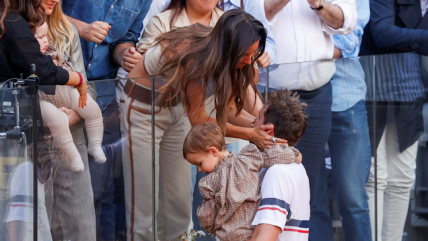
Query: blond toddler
[(68, 97)]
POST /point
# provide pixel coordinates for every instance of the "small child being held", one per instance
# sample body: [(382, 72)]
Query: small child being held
[(68, 97), (231, 191)]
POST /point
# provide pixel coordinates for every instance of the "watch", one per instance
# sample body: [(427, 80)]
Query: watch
[(320, 7)]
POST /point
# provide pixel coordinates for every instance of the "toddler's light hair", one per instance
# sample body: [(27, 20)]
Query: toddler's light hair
[(202, 137)]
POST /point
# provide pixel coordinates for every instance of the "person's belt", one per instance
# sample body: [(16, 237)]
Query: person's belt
[(144, 95)]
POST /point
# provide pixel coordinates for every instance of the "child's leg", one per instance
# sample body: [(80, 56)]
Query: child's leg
[(57, 122), (93, 123)]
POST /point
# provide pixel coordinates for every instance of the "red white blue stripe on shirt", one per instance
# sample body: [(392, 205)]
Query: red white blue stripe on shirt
[(292, 225), (300, 226), (275, 205)]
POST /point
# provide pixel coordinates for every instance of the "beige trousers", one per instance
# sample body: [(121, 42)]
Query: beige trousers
[(396, 175), (172, 171)]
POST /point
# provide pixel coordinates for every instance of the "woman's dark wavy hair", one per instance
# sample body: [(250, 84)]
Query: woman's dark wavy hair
[(30, 10), (211, 55), (177, 6)]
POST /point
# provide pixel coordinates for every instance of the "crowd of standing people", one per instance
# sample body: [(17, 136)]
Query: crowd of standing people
[(209, 58)]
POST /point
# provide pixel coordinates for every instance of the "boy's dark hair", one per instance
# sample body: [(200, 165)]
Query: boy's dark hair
[(287, 113), (202, 137)]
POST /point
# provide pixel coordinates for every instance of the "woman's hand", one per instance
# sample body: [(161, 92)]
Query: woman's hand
[(262, 140), (83, 91), (72, 115)]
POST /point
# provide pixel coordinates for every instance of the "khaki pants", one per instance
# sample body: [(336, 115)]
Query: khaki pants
[(173, 204), (396, 175)]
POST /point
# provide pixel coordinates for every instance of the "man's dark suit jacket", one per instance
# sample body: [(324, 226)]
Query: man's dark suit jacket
[(395, 26)]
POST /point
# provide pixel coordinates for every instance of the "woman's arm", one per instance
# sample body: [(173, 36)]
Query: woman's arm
[(24, 50), (253, 103), (197, 116), (243, 119), (139, 70)]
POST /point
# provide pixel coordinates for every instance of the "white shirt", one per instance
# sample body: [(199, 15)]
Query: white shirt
[(20, 207), (424, 7), (301, 36), (285, 201)]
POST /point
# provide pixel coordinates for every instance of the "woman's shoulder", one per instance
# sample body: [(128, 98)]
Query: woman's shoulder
[(165, 14), (74, 29), (161, 18), (16, 25), (75, 41), (76, 33), (15, 19), (218, 12)]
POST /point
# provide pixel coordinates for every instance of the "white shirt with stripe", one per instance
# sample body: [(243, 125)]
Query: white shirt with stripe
[(285, 201)]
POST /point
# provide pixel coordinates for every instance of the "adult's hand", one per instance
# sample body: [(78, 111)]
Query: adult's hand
[(262, 140), (264, 60), (95, 32), (130, 58), (337, 53), (72, 115)]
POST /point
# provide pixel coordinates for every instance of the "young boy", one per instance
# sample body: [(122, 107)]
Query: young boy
[(231, 191)]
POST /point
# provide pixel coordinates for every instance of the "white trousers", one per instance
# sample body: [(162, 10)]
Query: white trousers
[(173, 204), (396, 175)]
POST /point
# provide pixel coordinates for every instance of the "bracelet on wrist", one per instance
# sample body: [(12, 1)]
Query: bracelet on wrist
[(80, 81), (320, 7)]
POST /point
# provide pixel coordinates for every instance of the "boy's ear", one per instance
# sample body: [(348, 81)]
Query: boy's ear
[(213, 151), (270, 129)]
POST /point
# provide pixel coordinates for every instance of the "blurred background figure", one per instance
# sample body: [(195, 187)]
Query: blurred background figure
[(395, 105)]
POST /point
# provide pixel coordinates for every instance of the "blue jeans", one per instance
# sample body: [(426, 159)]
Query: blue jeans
[(197, 197), (107, 178), (312, 145), (349, 145)]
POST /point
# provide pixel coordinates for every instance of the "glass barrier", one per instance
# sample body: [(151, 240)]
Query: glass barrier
[(396, 99), (118, 171), (18, 194)]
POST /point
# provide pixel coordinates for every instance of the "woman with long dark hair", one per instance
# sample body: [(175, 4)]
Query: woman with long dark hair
[(188, 61), (19, 48)]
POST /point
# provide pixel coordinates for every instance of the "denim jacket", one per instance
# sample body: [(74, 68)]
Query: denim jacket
[(126, 20)]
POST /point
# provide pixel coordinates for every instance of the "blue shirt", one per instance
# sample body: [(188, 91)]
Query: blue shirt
[(348, 82), (255, 8), (126, 20)]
